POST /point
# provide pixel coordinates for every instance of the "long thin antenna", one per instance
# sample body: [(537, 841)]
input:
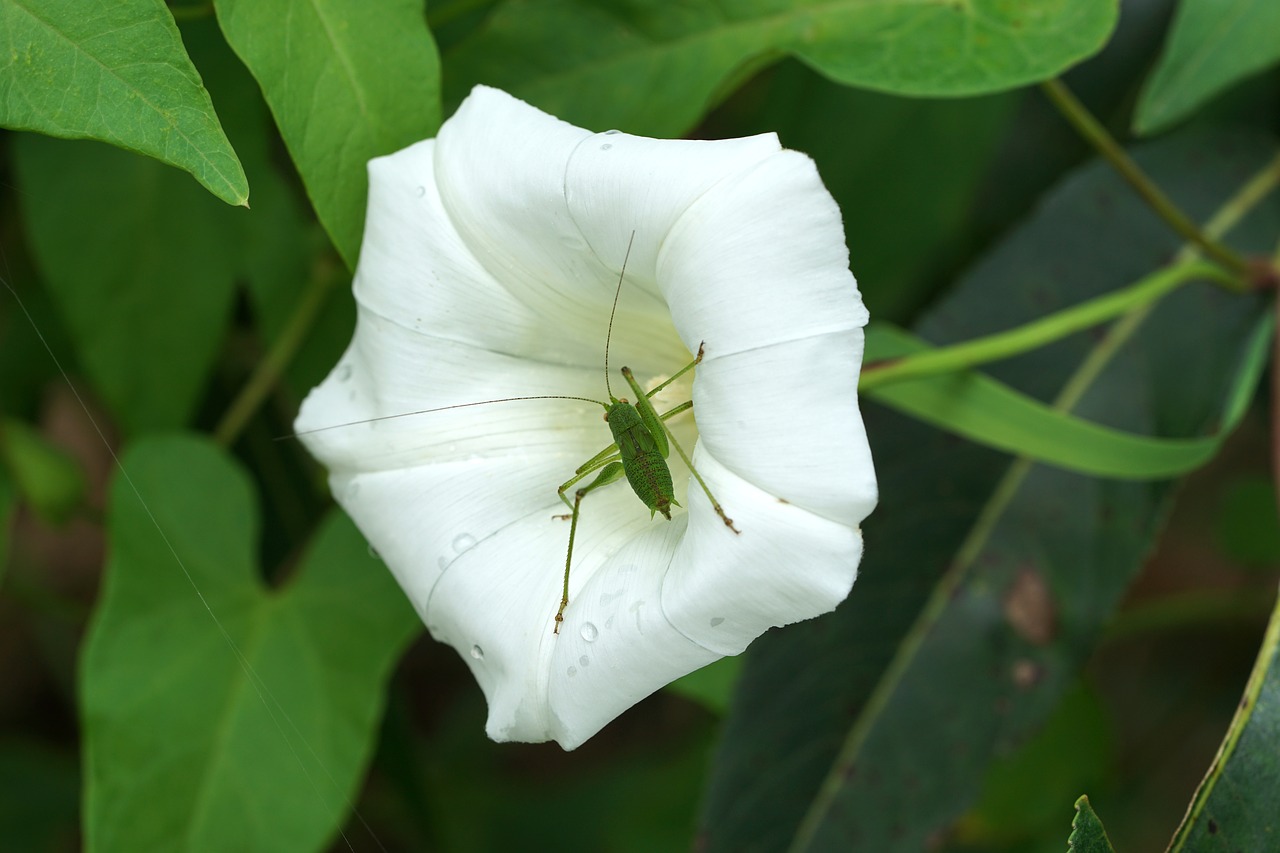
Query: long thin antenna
[(614, 310), (437, 409)]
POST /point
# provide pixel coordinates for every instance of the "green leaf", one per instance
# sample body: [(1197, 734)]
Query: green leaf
[(46, 477), (38, 810), (649, 67), (1023, 793), (142, 266), (1213, 45), (1087, 833), (8, 503), (116, 72), (991, 413), (1235, 806), (712, 686), (1245, 523), (985, 585), (219, 714), (347, 80)]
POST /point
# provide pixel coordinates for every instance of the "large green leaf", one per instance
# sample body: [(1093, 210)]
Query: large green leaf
[(1235, 806), (347, 80), (219, 714), (142, 265), (985, 585), (115, 72), (1213, 44), (653, 67)]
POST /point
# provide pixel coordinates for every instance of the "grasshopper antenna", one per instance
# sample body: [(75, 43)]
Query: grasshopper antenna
[(429, 411), (614, 310)]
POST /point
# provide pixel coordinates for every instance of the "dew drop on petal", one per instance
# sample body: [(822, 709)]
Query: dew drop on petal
[(607, 598), (589, 632), (442, 563), (573, 670), (477, 653), (611, 132), (373, 554), (606, 146), (421, 191), (717, 621), (584, 661), (463, 542), (344, 372)]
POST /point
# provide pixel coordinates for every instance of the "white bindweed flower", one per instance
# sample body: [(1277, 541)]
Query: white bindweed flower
[(490, 260)]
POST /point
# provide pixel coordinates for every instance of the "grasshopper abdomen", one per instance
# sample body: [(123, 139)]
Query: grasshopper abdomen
[(642, 458)]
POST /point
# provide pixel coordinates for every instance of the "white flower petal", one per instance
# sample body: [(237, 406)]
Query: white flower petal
[(488, 271), (785, 417)]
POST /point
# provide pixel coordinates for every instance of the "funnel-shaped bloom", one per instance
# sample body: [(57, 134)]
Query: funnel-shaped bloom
[(490, 259)]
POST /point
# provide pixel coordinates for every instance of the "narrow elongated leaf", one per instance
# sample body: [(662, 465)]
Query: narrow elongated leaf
[(1213, 45), (989, 412), (347, 80), (219, 714), (116, 72), (142, 266), (877, 724), (1235, 806), (649, 68)]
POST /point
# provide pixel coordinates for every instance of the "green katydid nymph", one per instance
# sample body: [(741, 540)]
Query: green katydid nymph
[(641, 444)]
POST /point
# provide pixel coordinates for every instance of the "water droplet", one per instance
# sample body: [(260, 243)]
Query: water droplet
[(442, 563), (606, 146), (607, 598), (463, 542), (717, 621), (573, 670), (585, 661), (608, 623), (344, 372), (589, 632), (373, 553), (477, 653), (611, 132), (421, 191)]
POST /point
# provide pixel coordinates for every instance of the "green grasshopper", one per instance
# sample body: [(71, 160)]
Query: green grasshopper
[(641, 445)]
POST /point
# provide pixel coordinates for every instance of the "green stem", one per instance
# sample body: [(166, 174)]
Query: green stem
[(1089, 127), (1040, 332), (286, 346)]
